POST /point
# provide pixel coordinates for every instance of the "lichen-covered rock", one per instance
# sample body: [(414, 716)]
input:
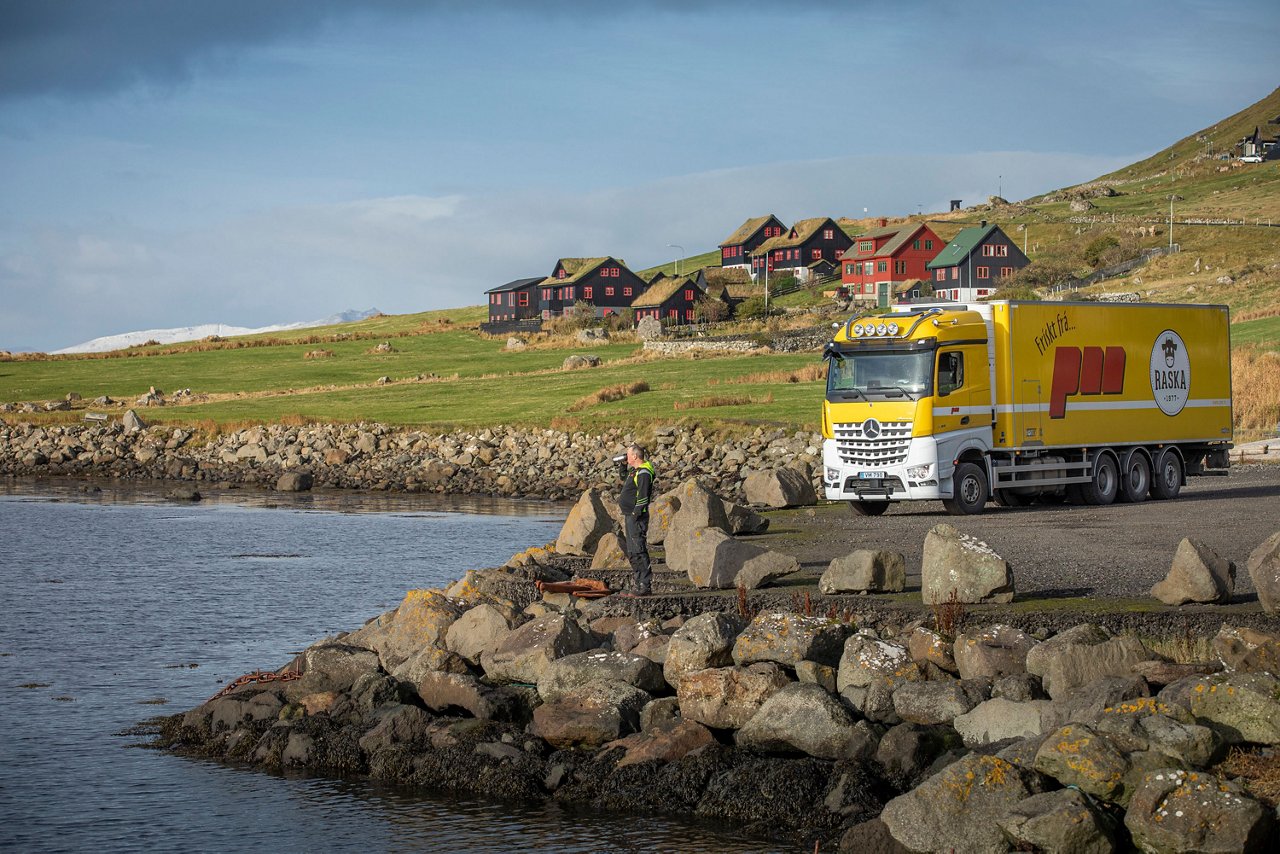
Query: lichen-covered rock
[(728, 697), (704, 641), (937, 702), (865, 571), (1080, 655), (789, 638), (1248, 650), (422, 619), (662, 510), (744, 520), (480, 630), (1174, 810), (588, 521), (801, 718), (956, 809), (1197, 574), (565, 675), (525, 653), (1264, 572), (1239, 706), (956, 563), (335, 666), (866, 657), (992, 652), (1060, 821), (1151, 725), (610, 553), (1077, 756)]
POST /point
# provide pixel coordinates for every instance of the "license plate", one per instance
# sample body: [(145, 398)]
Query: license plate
[(870, 475)]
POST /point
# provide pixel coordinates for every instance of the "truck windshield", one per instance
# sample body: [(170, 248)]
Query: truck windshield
[(855, 376)]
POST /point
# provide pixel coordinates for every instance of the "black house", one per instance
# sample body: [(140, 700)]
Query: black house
[(809, 240), (737, 247), (973, 264), (516, 300), (605, 283)]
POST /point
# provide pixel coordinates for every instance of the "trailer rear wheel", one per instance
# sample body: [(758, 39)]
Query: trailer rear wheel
[(869, 508), (969, 483), (1166, 481), (1106, 482), (1135, 477)]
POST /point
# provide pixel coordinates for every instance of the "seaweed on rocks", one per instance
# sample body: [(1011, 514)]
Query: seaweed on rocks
[(769, 795)]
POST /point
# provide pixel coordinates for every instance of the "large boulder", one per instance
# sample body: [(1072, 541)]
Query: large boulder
[(481, 629), (662, 743), (1146, 723), (1173, 810), (1076, 755), (929, 647), (1063, 820), (789, 639), (1197, 574), (1241, 707), (744, 520), (713, 559), (802, 718), (728, 697), (662, 510), (937, 702), (131, 422), (704, 641), (449, 693), (993, 652), (957, 808), (999, 719), (526, 653), (1080, 655), (294, 481), (611, 553), (335, 666), (1264, 571), (593, 715), (566, 675), (698, 508), (956, 563), (421, 620), (866, 657), (588, 521), (1248, 650), (783, 487), (865, 571)]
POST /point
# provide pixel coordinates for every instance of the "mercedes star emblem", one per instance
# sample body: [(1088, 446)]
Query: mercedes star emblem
[(871, 428)]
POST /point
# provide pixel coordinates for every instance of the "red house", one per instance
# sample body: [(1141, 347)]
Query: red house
[(884, 258)]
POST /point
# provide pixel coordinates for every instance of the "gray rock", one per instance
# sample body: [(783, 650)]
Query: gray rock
[(789, 638), (865, 571), (817, 674), (956, 810), (1076, 755), (929, 647), (998, 719), (704, 641), (905, 751), (1086, 702), (421, 620), (649, 329), (957, 563), (526, 653), (1060, 821), (1018, 687), (936, 702), (588, 521), (1148, 725), (801, 718), (1080, 655), (1247, 650), (399, 725), (454, 692), (866, 657), (1241, 707), (744, 520), (585, 360), (1264, 571), (498, 750), (993, 652), (595, 714), (759, 568), (783, 487), (336, 666), (728, 697), (294, 481), (480, 630), (1197, 574), (1173, 810), (659, 713), (566, 675), (131, 422)]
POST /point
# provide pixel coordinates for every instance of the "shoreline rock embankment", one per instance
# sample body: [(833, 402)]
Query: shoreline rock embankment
[(836, 730), (501, 461)]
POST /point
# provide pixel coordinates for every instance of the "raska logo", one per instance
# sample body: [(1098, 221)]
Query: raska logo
[(1170, 372), (1084, 370)]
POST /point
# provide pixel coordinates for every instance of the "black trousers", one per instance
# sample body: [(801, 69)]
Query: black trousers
[(638, 552)]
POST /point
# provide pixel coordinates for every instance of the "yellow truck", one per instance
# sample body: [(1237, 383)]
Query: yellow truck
[(1021, 402)]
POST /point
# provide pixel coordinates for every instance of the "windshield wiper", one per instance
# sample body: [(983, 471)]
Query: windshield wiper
[(851, 392), (906, 392)]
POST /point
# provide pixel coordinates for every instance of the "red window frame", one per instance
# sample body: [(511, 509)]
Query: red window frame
[(988, 251), (1005, 272), (626, 292), (562, 274), (608, 290), (942, 275), (828, 234), (524, 298), (816, 253), (1002, 251), (586, 291), (688, 294)]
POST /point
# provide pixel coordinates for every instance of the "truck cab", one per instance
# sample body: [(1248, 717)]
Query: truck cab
[(908, 401)]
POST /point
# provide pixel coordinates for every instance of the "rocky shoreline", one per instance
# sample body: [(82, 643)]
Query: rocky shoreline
[(836, 722), (501, 461)]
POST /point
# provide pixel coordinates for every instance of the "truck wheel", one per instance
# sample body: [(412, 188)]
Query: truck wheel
[(1106, 482), (1135, 477), (1166, 480), (1009, 498), (869, 508), (969, 483)]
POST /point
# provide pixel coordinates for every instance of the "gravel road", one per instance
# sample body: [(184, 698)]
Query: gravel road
[(1115, 551)]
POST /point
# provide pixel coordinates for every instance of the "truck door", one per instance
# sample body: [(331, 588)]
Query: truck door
[(1026, 422), (950, 411)]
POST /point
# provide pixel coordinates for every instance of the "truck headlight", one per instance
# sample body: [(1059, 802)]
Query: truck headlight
[(857, 329), (919, 472), (833, 474)]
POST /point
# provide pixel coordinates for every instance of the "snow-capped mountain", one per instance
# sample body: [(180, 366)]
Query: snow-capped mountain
[(195, 333)]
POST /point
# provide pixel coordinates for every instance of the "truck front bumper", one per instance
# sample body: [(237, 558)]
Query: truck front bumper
[(913, 479)]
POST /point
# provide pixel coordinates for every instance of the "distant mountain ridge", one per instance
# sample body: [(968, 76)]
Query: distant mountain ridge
[(195, 333)]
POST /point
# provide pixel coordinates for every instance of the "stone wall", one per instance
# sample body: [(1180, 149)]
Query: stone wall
[(502, 460), (791, 341)]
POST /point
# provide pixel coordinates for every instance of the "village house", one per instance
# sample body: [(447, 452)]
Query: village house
[(673, 299), (604, 283), (808, 242), (973, 264), (881, 260), (736, 250), (516, 300)]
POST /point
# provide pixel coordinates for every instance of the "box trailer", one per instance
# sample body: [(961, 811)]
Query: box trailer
[(1024, 402)]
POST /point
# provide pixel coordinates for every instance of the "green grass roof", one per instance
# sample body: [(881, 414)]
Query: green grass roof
[(799, 233), (748, 228), (576, 268), (661, 291)]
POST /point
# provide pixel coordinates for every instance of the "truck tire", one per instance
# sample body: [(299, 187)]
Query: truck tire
[(1135, 477), (1009, 498), (969, 485), (869, 508), (1166, 480), (1105, 485)]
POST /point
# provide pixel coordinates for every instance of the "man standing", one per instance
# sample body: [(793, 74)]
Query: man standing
[(637, 489)]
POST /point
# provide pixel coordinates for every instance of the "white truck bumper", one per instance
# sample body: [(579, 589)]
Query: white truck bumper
[(907, 480)]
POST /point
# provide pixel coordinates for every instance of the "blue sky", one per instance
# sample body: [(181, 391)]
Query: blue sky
[(174, 163)]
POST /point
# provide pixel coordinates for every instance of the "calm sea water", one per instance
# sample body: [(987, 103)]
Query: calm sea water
[(119, 606)]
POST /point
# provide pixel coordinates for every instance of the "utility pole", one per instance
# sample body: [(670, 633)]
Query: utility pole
[(1171, 222), (681, 248)]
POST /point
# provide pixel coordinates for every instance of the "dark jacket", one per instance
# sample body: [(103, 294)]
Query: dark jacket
[(637, 489)]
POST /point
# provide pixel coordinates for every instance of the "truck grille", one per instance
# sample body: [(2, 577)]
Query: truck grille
[(861, 444)]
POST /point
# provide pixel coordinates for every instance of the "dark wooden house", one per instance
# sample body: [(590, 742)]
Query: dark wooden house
[(809, 240), (885, 257), (673, 299), (516, 300), (973, 264), (736, 250), (604, 283)]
